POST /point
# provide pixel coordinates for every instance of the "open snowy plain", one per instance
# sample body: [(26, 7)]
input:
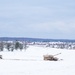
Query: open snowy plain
[(30, 62)]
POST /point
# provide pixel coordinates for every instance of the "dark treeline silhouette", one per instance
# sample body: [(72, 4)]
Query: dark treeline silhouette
[(23, 45), (11, 46)]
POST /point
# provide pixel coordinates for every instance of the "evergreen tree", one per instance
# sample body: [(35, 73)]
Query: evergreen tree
[(8, 46), (1, 46), (17, 45)]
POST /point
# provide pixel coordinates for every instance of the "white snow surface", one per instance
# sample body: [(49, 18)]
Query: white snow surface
[(30, 62)]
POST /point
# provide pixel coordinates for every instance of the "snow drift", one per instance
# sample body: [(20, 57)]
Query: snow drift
[(30, 62)]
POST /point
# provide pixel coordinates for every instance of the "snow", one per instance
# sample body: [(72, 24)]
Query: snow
[(30, 62)]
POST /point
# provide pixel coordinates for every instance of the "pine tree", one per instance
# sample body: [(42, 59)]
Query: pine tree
[(17, 45)]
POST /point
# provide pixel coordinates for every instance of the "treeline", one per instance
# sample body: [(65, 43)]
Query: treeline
[(58, 45), (11, 46), (61, 45)]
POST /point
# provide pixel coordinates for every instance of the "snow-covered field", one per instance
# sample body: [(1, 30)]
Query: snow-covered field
[(30, 62)]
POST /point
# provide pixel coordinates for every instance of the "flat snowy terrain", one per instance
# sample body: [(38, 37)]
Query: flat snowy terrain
[(30, 62)]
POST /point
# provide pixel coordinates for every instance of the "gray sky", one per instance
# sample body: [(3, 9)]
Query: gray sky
[(54, 19)]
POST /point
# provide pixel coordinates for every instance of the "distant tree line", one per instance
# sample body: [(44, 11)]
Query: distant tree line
[(61, 45), (19, 45), (12, 46), (58, 45)]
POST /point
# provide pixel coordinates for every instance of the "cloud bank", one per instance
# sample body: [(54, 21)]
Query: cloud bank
[(41, 18)]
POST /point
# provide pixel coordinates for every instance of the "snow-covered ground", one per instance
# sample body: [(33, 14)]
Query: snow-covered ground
[(30, 62)]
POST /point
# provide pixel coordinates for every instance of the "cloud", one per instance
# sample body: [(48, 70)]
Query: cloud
[(43, 18), (60, 26)]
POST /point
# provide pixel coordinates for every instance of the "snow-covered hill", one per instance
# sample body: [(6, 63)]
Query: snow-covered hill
[(30, 62)]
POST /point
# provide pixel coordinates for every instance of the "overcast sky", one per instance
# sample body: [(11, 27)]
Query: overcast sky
[(54, 19)]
